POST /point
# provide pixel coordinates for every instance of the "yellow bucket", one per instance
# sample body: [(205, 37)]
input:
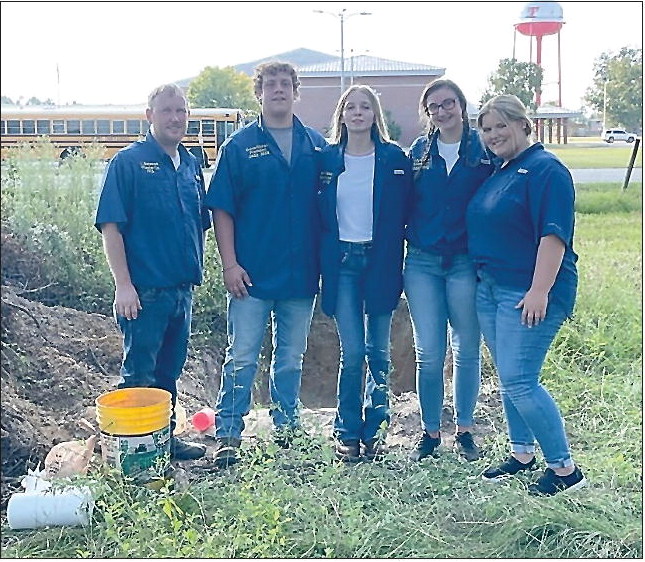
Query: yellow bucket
[(135, 430)]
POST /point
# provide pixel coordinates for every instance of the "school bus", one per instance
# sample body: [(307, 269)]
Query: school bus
[(70, 128)]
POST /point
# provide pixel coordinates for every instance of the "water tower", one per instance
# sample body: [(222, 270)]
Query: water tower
[(537, 20)]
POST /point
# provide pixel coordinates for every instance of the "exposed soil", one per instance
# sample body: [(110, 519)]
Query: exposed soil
[(56, 361)]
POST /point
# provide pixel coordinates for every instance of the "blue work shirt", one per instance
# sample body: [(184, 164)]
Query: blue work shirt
[(273, 205), (392, 190), (529, 198), (159, 211), (438, 220)]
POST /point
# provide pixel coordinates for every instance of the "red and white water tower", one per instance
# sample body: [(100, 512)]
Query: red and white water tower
[(537, 20)]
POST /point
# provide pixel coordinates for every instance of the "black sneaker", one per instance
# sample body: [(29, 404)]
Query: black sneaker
[(185, 451), (465, 444), (374, 450), (425, 447), (348, 451), (226, 451), (508, 468), (549, 484)]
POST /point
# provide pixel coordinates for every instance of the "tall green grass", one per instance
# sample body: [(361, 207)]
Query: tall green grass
[(302, 503)]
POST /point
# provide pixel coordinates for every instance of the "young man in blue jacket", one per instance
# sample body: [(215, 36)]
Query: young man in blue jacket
[(152, 219), (263, 194)]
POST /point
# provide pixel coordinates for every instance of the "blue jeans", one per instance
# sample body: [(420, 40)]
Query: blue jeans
[(441, 300), (531, 413), (247, 322), (155, 344), (363, 405)]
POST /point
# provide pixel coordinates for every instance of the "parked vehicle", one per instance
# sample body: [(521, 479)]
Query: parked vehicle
[(611, 135)]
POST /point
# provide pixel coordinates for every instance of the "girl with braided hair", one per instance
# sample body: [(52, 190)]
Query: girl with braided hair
[(449, 164)]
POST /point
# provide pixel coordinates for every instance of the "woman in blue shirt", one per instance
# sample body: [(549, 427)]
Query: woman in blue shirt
[(449, 164), (365, 182), (520, 235)]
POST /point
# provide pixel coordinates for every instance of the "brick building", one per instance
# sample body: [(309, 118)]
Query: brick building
[(399, 85)]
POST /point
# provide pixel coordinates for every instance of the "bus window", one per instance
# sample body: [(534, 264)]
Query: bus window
[(43, 127), (208, 127), (193, 127), (133, 126), (103, 126), (58, 127), (3, 127), (221, 132), (118, 127), (230, 128), (74, 127), (88, 127), (144, 126), (28, 127)]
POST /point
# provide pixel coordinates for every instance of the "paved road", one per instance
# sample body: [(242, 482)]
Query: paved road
[(589, 175)]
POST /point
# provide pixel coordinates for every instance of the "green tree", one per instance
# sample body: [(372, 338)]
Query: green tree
[(522, 79), (393, 128), (222, 87), (622, 74)]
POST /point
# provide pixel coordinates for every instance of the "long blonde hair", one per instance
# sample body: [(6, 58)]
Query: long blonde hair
[(338, 128)]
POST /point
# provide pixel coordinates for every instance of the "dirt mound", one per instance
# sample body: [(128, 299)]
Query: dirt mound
[(56, 361)]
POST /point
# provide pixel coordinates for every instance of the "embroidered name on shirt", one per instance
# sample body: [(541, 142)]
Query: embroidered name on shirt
[(150, 167), (522, 171), (416, 164), (484, 161), (258, 150), (399, 172), (325, 177)]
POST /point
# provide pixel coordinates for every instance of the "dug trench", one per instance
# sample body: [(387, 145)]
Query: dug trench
[(56, 361)]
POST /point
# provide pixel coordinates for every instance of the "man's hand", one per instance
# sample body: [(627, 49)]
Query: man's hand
[(126, 301), (236, 279)]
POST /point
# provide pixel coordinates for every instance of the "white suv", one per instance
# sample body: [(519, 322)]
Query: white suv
[(610, 135)]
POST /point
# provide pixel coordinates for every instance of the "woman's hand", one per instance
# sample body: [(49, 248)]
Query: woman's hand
[(533, 307)]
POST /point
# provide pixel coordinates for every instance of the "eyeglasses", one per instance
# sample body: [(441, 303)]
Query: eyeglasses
[(447, 104)]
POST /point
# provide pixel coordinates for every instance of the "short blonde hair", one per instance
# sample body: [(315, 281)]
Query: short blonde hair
[(338, 128), (509, 108), (166, 89)]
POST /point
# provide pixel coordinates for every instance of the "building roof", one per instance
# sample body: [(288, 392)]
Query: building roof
[(317, 64), (369, 66)]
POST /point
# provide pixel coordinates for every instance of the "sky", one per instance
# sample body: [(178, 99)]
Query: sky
[(116, 52)]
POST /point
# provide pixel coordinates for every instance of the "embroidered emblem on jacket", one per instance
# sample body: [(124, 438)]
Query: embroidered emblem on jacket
[(150, 167), (258, 150)]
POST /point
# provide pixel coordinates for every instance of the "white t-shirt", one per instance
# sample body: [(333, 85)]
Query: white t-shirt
[(176, 160), (449, 152), (355, 199)]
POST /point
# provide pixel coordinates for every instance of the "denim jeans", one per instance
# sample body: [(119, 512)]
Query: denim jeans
[(363, 405), (441, 300), (531, 413), (247, 322), (155, 344)]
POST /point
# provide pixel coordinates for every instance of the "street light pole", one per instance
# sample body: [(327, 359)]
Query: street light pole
[(342, 16), (604, 108)]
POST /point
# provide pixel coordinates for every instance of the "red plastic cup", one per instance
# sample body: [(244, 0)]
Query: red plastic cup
[(203, 419)]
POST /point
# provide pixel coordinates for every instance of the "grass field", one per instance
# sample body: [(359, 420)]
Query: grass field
[(301, 503), (596, 156)]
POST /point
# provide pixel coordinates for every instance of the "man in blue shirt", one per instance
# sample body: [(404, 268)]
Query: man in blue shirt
[(263, 193), (152, 219)]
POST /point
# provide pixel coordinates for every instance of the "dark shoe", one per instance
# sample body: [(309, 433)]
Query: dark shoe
[(348, 451), (549, 484), (466, 446), (226, 451), (425, 447), (374, 450), (185, 451), (508, 468)]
